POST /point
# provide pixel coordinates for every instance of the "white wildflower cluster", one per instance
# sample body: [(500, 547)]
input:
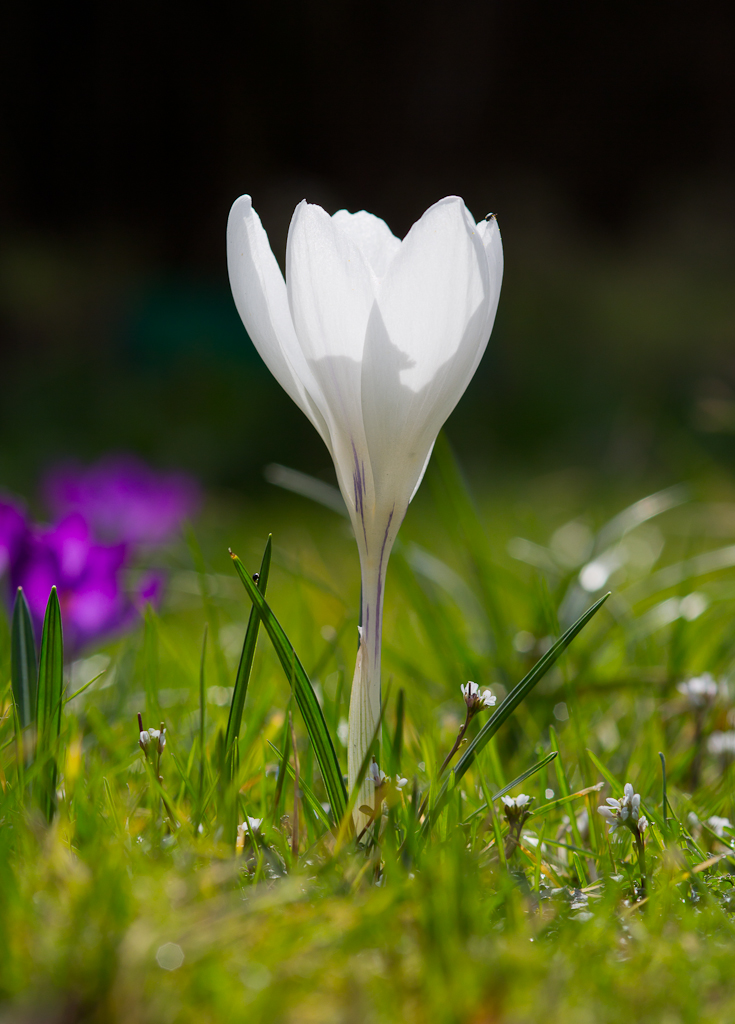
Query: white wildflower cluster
[(380, 779), (718, 825), (699, 690), (152, 740), (476, 700), (517, 808), (626, 811), (722, 744)]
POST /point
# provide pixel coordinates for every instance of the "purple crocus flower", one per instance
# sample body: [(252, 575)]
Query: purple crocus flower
[(13, 528), (87, 575), (124, 500)]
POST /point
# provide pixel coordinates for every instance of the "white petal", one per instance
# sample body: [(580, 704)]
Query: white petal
[(489, 233), (423, 472), (331, 293), (606, 812), (628, 792), (260, 296), (425, 337), (331, 289), (371, 235)]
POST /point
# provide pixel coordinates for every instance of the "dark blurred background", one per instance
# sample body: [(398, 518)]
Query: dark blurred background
[(602, 135)]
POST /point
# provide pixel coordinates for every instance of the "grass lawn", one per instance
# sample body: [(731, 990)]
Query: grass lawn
[(128, 893)]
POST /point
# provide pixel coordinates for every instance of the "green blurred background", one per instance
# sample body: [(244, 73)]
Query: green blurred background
[(602, 137)]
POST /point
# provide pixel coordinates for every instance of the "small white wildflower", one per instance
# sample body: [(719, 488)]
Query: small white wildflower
[(517, 809), (243, 830), (722, 743), (699, 690), (476, 700), (517, 802), (157, 738), (626, 811), (376, 776), (400, 783), (718, 825), (145, 740)]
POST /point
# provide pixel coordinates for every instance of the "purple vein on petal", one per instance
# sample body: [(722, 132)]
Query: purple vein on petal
[(358, 484), (380, 583)]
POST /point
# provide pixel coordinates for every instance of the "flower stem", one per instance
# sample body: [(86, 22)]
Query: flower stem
[(448, 758), (365, 697), (457, 742), (641, 849)]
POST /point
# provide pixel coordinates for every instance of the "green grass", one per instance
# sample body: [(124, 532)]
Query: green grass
[(439, 921)]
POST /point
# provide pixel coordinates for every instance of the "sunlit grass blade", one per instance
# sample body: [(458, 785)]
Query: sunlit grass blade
[(565, 790), (511, 702), (245, 667), (397, 748), (50, 699), (516, 782), (23, 664), (306, 699), (456, 505), (202, 714)]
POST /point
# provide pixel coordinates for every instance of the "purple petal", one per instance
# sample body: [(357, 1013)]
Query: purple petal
[(13, 528), (124, 499), (70, 542), (150, 588)]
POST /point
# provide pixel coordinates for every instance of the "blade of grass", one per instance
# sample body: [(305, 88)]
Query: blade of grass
[(245, 667), (50, 698), (566, 789), (306, 699), (86, 686), (23, 665), (516, 782), (511, 702), (398, 735), (202, 713)]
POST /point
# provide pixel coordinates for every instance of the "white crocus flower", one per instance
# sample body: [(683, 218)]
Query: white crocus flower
[(375, 339)]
